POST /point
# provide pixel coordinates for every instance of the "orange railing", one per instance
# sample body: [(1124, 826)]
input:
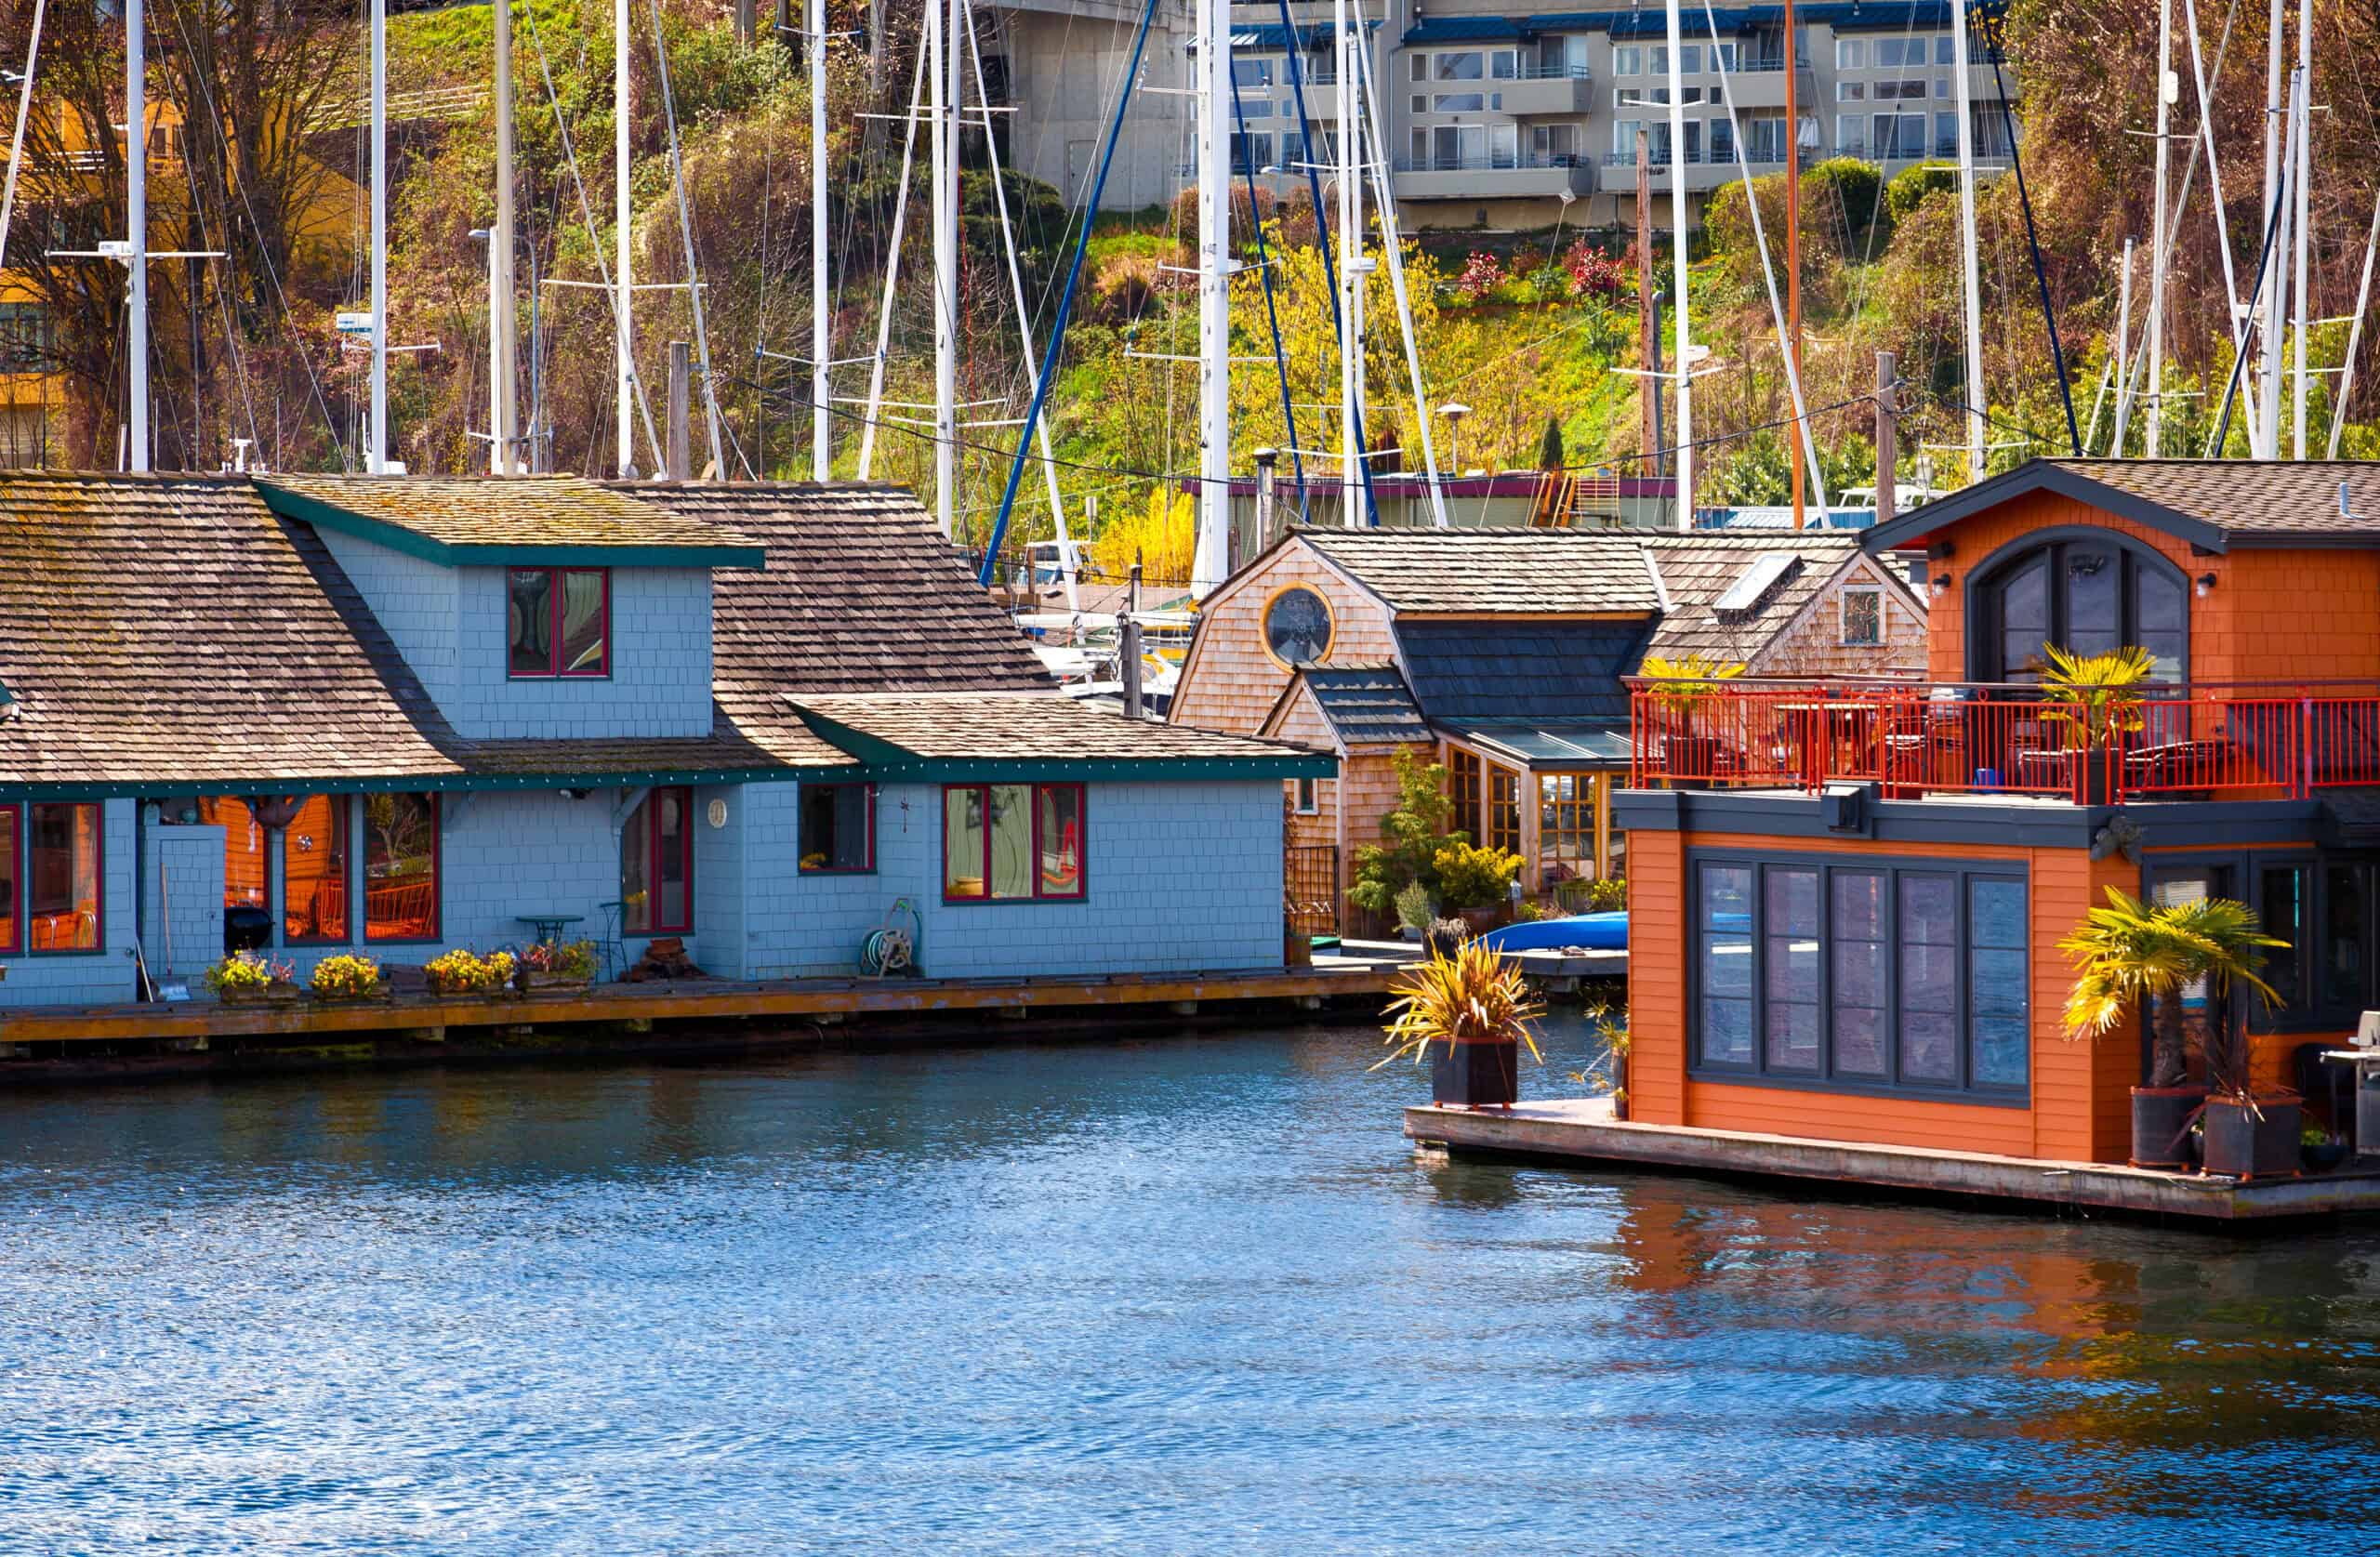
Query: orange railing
[(2237, 742)]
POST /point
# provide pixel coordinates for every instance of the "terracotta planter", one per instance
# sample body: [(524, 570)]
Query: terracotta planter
[(1475, 1075), (2252, 1143), (272, 995), (2161, 1122)]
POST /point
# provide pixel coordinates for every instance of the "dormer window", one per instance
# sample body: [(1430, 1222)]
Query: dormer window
[(557, 621)]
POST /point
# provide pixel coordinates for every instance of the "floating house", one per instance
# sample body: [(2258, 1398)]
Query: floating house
[(392, 715), (1847, 902), (1502, 654)]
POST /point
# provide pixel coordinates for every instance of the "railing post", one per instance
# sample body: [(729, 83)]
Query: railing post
[(2305, 746)]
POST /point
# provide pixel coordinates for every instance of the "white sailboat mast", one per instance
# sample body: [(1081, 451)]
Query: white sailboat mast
[(623, 317), (135, 167), (2303, 151), (2168, 89), (2123, 355), (1677, 225), (822, 439), (893, 255), (1210, 560), (942, 101), (504, 446), (1351, 277), (1970, 285), (2268, 434)]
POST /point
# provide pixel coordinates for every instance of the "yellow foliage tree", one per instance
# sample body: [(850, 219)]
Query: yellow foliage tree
[(1162, 536)]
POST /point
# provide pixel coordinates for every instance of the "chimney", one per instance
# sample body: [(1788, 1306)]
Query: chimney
[(680, 460), (1265, 459)]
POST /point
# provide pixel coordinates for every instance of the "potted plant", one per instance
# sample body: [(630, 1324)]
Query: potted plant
[(251, 979), (1445, 937), (1415, 909), (2099, 698), (462, 973), (1411, 833), (2319, 1150), (346, 980), (2128, 953), (1477, 883), (1681, 691), (1469, 1015), (558, 966)]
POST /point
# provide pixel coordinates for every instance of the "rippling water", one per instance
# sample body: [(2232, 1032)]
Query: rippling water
[(1184, 1295)]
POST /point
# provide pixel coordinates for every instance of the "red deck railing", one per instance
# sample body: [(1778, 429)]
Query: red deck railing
[(2199, 742)]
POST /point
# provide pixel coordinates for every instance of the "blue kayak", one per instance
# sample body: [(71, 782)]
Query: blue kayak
[(1599, 932)]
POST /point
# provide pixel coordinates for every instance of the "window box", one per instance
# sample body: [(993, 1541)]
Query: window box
[(557, 623), (1013, 842)]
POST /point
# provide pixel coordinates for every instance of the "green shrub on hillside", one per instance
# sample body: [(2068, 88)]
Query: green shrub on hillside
[(1912, 187)]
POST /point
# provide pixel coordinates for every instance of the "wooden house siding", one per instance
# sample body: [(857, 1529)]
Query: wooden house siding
[(1303, 722), (1812, 644), (1230, 683), (2078, 1108)]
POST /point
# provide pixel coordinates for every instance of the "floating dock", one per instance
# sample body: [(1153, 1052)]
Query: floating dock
[(1581, 1130)]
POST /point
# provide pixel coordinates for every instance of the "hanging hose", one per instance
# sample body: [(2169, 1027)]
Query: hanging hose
[(889, 948)]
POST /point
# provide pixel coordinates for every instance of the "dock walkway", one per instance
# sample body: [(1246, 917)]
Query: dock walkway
[(1582, 1131)]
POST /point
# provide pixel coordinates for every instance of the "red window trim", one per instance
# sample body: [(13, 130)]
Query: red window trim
[(1082, 864), (555, 592), (99, 858), (653, 862), (867, 869), (437, 882), (343, 818), (12, 829)]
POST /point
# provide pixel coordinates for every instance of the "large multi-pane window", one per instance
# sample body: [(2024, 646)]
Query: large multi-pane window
[(1570, 835), (247, 874), (1910, 977), (62, 876), (1503, 809), (401, 867), (658, 864), (1012, 842), (11, 939), (1465, 788), (314, 872)]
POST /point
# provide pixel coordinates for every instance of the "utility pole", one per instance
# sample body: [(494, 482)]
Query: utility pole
[(504, 428), (2168, 92), (1648, 344), (1793, 240), (136, 169), (943, 102), (1677, 220), (681, 459), (1210, 559), (623, 318), (822, 437), (1887, 437), (1970, 285)]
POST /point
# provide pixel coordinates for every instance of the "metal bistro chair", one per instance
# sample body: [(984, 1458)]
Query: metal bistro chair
[(610, 947)]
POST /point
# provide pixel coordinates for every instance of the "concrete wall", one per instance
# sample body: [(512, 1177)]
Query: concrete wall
[(449, 625), (89, 978)]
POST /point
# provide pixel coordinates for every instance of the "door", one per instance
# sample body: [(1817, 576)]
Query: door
[(2086, 596)]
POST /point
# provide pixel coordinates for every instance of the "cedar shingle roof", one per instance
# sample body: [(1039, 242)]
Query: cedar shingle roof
[(2215, 503), (1523, 572), (1366, 704), (1698, 569), (170, 627), (974, 726), (476, 519)]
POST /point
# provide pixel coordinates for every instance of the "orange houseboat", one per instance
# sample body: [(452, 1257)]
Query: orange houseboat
[(1847, 897)]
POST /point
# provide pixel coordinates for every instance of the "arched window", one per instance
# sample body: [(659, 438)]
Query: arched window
[(2087, 591)]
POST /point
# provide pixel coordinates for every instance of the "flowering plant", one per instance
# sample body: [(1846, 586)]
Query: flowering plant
[(1594, 273), (461, 972), (565, 960), (248, 972), (346, 977), (1482, 273)]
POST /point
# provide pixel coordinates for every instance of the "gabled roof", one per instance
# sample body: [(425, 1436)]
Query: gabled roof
[(1514, 572), (1518, 668), (1698, 569), (960, 736), (1364, 704), (862, 594), (2217, 504), (545, 520)]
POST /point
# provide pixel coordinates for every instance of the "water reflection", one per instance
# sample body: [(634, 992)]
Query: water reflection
[(1191, 1293)]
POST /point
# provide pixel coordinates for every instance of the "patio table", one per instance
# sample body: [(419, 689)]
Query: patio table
[(549, 927)]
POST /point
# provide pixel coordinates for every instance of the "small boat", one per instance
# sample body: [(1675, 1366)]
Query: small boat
[(1595, 932)]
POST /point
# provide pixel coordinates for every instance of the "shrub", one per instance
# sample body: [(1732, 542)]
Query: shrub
[(247, 972), (1846, 184), (1482, 273), (1608, 895), (1416, 830), (461, 972), (1446, 937), (346, 976), (1593, 273), (1414, 908), (1471, 876), (1912, 187)]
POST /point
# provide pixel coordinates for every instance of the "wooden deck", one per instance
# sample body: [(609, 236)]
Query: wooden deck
[(1582, 1131), (198, 1024)]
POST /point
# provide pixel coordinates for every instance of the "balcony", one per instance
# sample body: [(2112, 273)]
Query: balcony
[(1916, 741), (1542, 90), (1704, 169), (1525, 175)]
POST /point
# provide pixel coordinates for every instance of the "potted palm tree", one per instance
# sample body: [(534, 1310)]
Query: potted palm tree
[(1468, 1014), (2128, 953), (2099, 704), (1681, 691)]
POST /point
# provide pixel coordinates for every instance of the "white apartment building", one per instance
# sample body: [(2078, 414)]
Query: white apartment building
[(1496, 117)]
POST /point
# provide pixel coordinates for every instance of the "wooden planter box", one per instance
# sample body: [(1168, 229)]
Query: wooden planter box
[(379, 997), (501, 992), (272, 995), (555, 984)]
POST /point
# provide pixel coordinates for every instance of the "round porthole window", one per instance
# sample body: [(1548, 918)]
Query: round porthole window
[(1297, 626)]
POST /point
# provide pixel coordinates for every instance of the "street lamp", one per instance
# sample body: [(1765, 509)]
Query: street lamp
[(1454, 411)]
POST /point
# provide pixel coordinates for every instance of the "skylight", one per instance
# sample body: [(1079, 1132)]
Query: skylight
[(1755, 582)]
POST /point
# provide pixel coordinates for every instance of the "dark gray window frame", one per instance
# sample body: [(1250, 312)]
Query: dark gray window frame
[(1758, 1074), (2320, 1010), (1982, 586)]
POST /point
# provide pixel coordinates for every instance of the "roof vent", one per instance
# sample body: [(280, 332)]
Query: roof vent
[(2346, 508), (1757, 586)]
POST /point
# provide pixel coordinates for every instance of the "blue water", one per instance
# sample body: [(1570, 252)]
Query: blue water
[(1184, 1294)]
